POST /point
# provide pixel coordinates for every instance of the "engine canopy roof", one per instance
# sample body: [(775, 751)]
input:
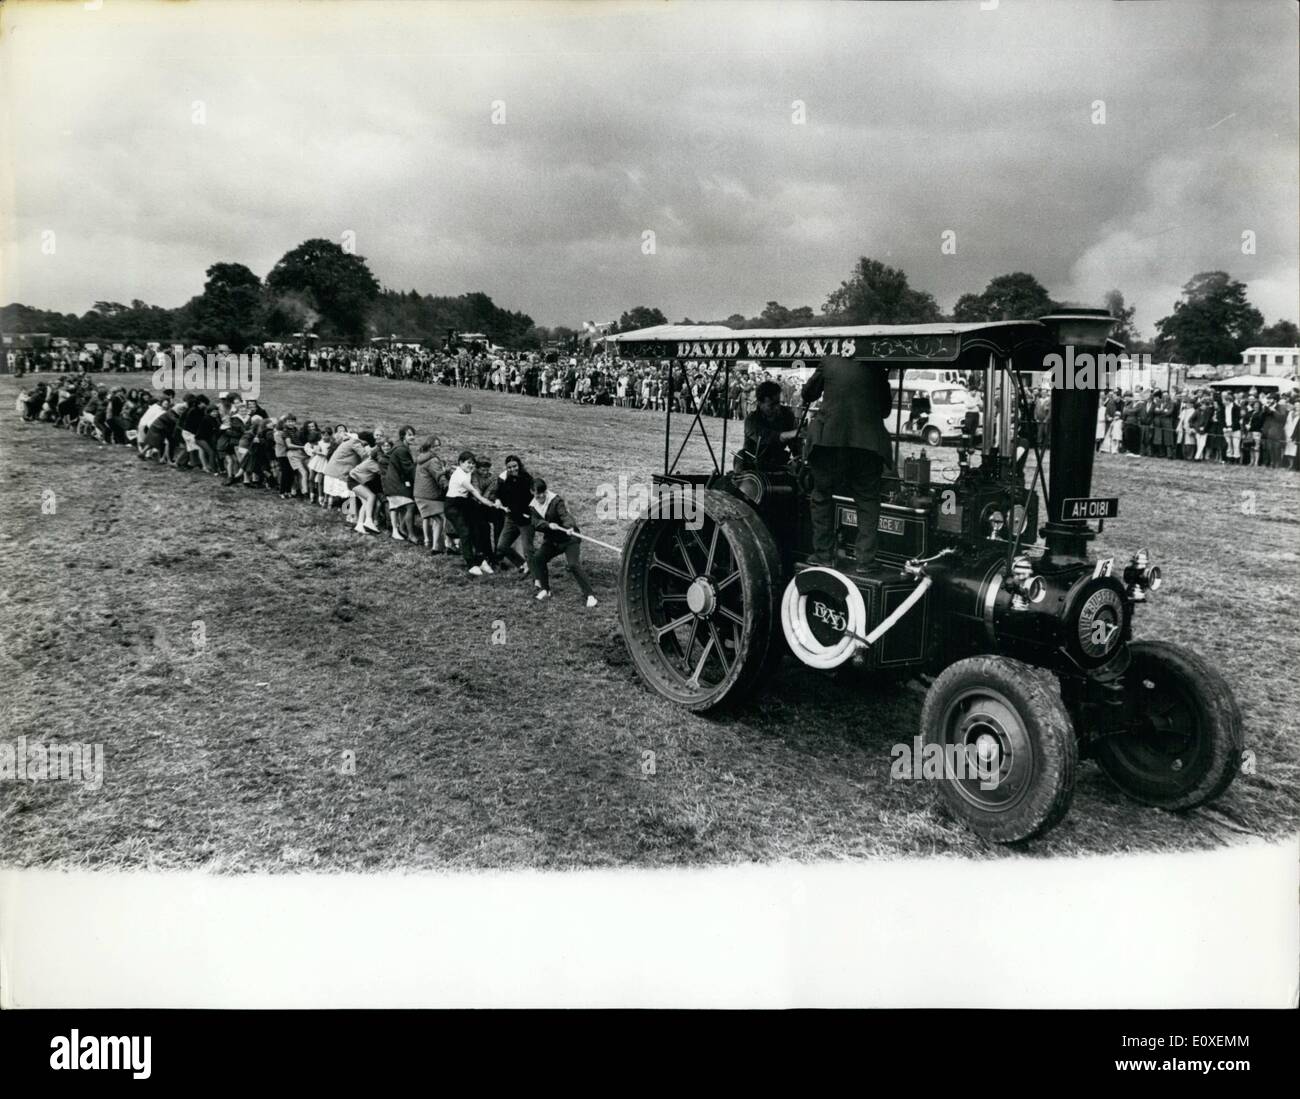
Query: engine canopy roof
[(904, 343)]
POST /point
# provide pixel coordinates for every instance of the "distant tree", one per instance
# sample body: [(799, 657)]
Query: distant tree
[(878, 294), (1212, 322), (315, 287), (337, 283), (134, 323), (1016, 296), (776, 315), (539, 335), (642, 316), (17, 317), (285, 314), (231, 309), (1281, 334), (736, 320), (153, 322), (970, 307), (429, 318), (1124, 330)]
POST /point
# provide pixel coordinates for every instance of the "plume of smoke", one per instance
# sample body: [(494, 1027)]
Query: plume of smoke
[(298, 306)]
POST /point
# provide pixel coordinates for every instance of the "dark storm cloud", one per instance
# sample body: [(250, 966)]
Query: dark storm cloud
[(672, 118)]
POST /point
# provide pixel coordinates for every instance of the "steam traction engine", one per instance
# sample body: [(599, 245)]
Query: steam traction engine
[(1030, 645)]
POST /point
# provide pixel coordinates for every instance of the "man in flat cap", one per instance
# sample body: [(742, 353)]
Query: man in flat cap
[(848, 451)]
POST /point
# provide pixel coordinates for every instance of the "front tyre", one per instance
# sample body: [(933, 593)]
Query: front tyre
[(1184, 748), (1008, 746)]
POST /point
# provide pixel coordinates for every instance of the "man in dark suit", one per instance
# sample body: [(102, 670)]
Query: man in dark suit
[(1163, 434), (1273, 431), (1147, 419), (848, 451)]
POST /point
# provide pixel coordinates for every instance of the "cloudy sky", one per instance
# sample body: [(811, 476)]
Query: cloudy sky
[(154, 140)]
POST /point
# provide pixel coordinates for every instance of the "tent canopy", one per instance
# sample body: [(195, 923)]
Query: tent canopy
[(1249, 381)]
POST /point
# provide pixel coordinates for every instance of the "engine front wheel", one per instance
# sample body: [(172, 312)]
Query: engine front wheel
[(1184, 748), (1008, 746)]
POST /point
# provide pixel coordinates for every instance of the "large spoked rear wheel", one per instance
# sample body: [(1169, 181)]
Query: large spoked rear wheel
[(1009, 748), (1186, 746), (767, 546), (699, 608)]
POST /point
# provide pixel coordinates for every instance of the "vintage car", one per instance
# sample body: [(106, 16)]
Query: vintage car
[(937, 413)]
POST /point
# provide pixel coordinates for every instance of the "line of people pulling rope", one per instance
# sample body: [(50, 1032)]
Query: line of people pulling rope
[(364, 475)]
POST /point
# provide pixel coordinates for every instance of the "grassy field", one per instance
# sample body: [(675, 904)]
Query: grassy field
[(526, 753)]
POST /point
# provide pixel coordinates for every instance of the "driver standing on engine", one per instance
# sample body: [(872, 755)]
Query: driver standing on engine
[(848, 451), (770, 428)]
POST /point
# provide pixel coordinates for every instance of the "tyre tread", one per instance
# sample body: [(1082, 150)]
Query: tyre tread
[(1037, 691), (1209, 688)]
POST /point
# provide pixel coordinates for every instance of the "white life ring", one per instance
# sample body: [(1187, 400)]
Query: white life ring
[(804, 645)]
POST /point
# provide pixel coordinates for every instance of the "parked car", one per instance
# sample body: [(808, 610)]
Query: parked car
[(944, 421)]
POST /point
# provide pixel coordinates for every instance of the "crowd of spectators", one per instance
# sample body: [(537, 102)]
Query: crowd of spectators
[(492, 520), (1255, 427), (588, 379), (1258, 427), (591, 379)]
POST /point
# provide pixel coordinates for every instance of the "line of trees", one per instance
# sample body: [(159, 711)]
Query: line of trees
[(321, 287), (1212, 322)]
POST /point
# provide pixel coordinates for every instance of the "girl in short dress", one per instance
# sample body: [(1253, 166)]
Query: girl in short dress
[(343, 456), (364, 478), (317, 450)]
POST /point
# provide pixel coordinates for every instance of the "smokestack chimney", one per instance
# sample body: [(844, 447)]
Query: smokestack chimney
[(1073, 425)]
